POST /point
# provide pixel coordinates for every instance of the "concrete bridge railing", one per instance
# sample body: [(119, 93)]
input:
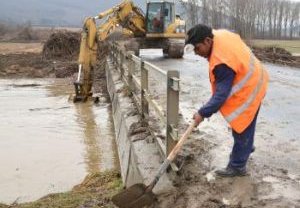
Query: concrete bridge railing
[(134, 72)]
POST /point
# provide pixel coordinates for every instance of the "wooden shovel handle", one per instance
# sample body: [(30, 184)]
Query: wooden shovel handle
[(181, 141), (171, 156)]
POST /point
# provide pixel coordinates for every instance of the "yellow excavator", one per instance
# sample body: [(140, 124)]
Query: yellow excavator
[(159, 28)]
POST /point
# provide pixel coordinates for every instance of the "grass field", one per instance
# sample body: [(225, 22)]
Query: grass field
[(293, 46)]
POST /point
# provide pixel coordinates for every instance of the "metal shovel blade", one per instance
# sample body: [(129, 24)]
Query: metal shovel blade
[(135, 196)]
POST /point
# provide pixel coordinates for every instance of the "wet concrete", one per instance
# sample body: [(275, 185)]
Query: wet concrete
[(277, 139), (47, 143)]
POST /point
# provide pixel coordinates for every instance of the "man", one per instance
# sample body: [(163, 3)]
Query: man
[(157, 21), (238, 81)]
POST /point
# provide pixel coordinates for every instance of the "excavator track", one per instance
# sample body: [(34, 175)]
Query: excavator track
[(173, 49)]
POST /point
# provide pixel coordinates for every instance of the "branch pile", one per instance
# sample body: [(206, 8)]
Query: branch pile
[(62, 44)]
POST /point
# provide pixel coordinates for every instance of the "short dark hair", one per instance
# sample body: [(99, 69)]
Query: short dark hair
[(198, 33)]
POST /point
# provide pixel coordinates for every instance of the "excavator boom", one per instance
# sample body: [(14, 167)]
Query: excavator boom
[(126, 15)]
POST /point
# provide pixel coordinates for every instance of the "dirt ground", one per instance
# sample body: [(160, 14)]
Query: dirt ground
[(38, 60), (273, 179)]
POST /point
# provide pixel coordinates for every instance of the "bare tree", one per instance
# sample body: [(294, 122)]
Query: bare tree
[(204, 11), (192, 11), (249, 18), (294, 20), (286, 16), (280, 19)]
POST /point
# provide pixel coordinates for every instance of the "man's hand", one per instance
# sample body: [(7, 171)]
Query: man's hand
[(197, 118)]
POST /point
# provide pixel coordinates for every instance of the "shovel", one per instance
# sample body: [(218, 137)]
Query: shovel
[(139, 195)]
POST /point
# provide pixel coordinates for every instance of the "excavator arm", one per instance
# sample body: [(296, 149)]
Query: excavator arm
[(126, 15)]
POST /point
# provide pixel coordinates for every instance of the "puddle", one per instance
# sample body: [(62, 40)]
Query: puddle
[(47, 143)]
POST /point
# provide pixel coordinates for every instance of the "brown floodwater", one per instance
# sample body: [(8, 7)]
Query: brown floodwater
[(48, 144)]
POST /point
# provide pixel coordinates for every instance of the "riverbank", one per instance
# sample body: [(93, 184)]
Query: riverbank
[(95, 190)]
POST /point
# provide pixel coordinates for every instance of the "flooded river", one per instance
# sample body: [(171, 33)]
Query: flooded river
[(48, 144)]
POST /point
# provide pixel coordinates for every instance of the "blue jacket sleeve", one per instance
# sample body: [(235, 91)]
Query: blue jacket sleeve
[(224, 77)]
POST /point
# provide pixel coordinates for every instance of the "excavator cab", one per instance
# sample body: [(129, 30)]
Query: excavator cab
[(164, 29), (161, 19), (159, 16)]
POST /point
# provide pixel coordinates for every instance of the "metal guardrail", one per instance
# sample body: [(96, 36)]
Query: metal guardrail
[(128, 65)]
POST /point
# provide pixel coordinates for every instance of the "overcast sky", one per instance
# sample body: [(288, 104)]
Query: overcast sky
[(56, 12)]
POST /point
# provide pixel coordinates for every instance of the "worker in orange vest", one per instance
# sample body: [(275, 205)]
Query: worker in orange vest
[(238, 82)]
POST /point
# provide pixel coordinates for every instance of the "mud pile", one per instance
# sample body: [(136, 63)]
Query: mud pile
[(62, 44), (276, 55), (35, 66)]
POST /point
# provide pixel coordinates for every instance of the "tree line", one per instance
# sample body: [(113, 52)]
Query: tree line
[(272, 19)]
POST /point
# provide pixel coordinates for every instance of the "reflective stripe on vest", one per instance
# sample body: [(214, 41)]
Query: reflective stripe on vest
[(241, 84), (251, 98)]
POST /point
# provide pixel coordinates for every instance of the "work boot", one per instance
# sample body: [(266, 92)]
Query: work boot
[(231, 172)]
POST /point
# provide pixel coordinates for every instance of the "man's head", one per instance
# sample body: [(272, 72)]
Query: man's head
[(201, 37)]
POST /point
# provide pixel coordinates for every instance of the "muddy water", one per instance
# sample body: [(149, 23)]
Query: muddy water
[(48, 144), (277, 140)]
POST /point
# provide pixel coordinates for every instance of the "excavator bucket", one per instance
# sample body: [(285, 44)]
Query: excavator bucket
[(79, 97)]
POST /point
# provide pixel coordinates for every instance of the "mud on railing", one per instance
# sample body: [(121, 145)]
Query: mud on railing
[(134, 72)]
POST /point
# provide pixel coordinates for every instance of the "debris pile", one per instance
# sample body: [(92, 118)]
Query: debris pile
[(62, 44), (276, 55)]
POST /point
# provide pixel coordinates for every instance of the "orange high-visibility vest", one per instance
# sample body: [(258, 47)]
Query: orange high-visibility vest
[(250, 82)]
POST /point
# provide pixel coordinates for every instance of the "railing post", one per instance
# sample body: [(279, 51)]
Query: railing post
[(122, 58), (130, 66), (118, 58), (144, 87), (114, 54), (172, 109)]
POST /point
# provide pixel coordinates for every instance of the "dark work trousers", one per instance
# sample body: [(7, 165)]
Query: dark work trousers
[(242, 147)]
